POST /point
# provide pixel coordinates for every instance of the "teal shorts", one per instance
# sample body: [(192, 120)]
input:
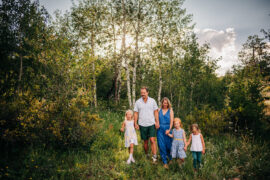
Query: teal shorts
[(147, 132)]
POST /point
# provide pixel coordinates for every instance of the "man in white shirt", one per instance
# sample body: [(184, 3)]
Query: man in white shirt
[(146, 111)]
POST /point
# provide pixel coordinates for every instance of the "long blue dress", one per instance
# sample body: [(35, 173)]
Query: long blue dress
[(164, 141)]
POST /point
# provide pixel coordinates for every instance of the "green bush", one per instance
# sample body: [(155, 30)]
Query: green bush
[(61, 122), (210, 122)]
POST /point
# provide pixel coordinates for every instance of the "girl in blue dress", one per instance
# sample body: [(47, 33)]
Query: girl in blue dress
[(179, 144), (166, 123)]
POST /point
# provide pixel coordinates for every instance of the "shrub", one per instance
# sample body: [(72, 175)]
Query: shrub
[(65, 122), (211, 122)]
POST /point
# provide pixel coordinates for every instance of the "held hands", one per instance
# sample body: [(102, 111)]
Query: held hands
[(122, 129), (185, 148), (157, 125), (136, 126), (167, 132)]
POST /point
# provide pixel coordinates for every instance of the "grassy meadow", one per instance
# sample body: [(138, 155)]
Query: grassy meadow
[(226, 157)]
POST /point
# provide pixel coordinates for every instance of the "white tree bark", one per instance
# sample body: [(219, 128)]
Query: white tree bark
[(136, 55), (160, 86), (160, 72), (124, 53), (94, 70), (119, 85), (20, 73)]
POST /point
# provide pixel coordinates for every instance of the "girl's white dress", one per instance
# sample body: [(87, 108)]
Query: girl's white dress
[(130, 133), (196, 144)]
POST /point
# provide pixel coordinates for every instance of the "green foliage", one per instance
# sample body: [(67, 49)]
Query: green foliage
[(47, 100), (227, 156), (245, 100), (211, 122), (52, 72), (67, 124)]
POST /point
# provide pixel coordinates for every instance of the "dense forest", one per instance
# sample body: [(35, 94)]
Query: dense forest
[(65, 83)]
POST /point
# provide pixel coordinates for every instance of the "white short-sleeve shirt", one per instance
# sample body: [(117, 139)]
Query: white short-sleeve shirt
[(146, 111)]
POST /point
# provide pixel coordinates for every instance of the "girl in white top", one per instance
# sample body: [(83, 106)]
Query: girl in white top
[(197, 147), (130, 134)]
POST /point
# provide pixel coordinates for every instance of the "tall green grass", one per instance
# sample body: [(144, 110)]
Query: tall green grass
[(226, 157)]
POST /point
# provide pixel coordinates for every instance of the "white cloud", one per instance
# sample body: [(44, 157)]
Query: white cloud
[(222, 44)]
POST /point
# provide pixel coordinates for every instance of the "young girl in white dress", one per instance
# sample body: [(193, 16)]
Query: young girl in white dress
[(197, 146), (130, 134)]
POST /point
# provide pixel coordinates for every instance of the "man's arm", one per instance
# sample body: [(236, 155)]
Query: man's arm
[(136, 114), (157, 119), (155, 108)]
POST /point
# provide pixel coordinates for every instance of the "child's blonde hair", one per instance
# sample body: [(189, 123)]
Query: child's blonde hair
[(178, 120), (196, 126), (129, 110)]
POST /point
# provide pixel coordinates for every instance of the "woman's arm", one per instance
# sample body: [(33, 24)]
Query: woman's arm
[(171, 119), (203, 144), (123, 126), (171, 122)]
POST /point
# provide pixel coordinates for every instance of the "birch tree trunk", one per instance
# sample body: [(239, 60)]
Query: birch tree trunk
[(124, 53), (117, 65), (94, 84), (160, 86), (119, 85), (191, 98), (136, 54), (160, 70), (20, 73), (94, 69)]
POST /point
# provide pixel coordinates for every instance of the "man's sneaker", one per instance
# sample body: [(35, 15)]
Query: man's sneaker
[(154, 158), (132, 160), (129, 161)]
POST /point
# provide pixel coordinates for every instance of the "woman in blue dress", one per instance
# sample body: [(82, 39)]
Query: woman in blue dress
[(166, 122)]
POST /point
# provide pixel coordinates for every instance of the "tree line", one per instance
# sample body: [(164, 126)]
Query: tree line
[(56, 72)]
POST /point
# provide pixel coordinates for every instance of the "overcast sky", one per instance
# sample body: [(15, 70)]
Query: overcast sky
[(225, 24)]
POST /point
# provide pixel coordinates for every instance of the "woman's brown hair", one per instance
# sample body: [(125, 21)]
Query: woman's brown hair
[(168, 101)]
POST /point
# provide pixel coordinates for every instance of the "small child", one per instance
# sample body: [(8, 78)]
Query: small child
[(197, 147), (130, 134), (179, 141)]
